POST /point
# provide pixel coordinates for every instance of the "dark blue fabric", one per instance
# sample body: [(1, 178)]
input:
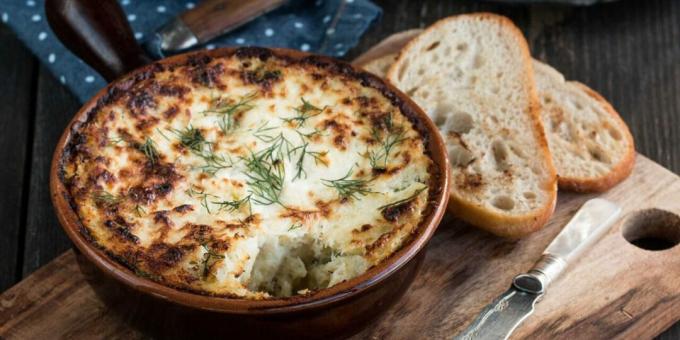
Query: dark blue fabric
[(328, 27)]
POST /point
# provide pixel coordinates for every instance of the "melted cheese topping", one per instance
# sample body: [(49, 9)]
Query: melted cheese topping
[(238, 176)]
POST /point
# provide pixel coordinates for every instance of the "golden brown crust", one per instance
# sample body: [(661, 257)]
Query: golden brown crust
[(620, 171), (107, 201), (499, 224)]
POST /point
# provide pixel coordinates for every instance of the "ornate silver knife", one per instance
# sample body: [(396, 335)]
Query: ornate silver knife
[(500, 318)]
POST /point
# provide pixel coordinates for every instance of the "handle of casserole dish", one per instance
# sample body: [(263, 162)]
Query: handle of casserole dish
[(97, 32)]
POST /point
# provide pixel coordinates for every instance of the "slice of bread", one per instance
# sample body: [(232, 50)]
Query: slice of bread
[(380, 66), (473, 75), (380, 57), (591, 146), (574, 117)]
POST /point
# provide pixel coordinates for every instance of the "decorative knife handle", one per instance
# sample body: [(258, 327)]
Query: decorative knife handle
[(210, 19), (592, 221), (98, 32)]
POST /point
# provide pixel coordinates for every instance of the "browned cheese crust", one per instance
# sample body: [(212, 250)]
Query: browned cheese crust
[(248, 173)]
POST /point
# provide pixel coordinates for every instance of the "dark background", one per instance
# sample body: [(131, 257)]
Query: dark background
[(628, 50)]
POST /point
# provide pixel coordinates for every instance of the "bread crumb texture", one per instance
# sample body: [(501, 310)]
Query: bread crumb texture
[(472, 75)]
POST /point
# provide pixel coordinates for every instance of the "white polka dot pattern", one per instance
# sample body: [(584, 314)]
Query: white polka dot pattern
[(328, 27)]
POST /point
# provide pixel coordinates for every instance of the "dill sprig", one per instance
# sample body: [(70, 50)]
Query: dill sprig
[(260, 132), (349, 188), (210, 257), (279, 147), (402, 201), (146, 274), (106, 198), (162, 134), (295, 226), (227, 108), (114, 141), (310, 134), (192, 139), (235, 205), (299, 164), (214, 162), (394, 136), (139, 210), (202, 195), (149, 150), (265, 176), (304, 112)]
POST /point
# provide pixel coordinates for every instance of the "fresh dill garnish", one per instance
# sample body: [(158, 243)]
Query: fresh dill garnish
[(214, 163), (147, 275), (114, 141), (402, 201), (310, 134), (261, 130), (235, 205), (227, 108), (162, 134), (265, 176), (202, 195), (190, 138), (149, 150), (295, 226), (106, 198), (139, 210), (299, 164), (279, 146), (304, 112), (209, 259), (394, 135), (349, 188), (262, 75)]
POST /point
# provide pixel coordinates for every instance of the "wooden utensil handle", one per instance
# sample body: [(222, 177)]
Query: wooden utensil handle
[(211, 18), (98, 33)]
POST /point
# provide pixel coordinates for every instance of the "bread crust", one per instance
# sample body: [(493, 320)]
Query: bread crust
[(620, 171), (497, 223)]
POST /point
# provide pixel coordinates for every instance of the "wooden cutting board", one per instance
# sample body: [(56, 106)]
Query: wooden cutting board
[(616, 290)]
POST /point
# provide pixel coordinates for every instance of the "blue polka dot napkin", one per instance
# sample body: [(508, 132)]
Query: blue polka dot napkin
[(329, 27)]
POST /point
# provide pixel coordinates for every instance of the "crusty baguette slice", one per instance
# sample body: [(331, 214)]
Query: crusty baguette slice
[(591, 146), (380, 66), (473, 75), (574, 117), (389, 45)]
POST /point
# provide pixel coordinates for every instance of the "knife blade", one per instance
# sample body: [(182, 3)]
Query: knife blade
[(209, 19), (499, 319), (502, 316)]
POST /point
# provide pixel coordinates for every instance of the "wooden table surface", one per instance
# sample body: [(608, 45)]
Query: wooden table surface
[(627, 50)]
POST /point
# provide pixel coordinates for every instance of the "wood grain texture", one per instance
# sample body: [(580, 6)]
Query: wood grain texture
[(627, 50), (616, 290), (53, 109), (16, 106)]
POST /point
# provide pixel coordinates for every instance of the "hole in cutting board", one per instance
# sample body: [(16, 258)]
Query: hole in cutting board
[(652, 229)]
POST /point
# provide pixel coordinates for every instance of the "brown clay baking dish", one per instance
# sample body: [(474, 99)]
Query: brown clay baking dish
[(162, 311)]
